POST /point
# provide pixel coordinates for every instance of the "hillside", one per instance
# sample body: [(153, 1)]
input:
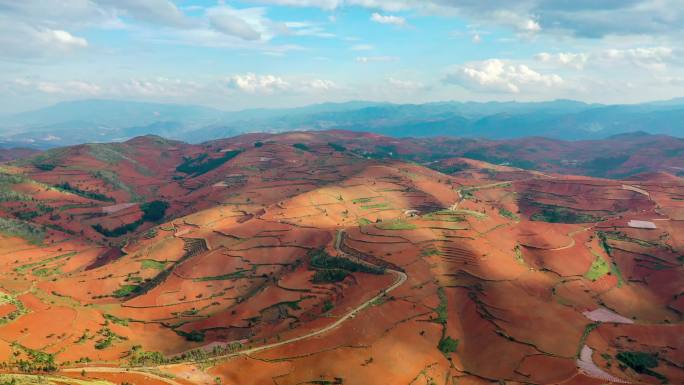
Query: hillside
[(330, 257)]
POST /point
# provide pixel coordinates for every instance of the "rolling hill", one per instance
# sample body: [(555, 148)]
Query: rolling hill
[(327, 257)]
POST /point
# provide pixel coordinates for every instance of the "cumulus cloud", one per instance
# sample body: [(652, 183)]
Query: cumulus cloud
[(569, 59), (251, 83), (501, 76), (63, 38), (647, 57), (655, 58), (317, 85), (257, 84), (155, 87), (388, 19)]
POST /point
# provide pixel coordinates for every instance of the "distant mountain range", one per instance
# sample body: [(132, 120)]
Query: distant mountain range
[(83, 121)]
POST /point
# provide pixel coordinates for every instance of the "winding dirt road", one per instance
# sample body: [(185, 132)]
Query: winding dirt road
[(401, 277)]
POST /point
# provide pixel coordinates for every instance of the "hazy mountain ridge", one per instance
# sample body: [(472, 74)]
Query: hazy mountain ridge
[(109, 120)]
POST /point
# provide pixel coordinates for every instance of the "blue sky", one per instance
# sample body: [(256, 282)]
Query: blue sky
[(282, 53)]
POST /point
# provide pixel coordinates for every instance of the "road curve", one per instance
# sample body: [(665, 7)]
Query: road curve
[(401, 277)]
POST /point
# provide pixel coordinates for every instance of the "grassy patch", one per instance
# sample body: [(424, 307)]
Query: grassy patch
[(327, 306), (397, 224), (442, 308), (6, 192), (37, 361), (18, 312), (154, 211), (331, 269), (362, 200), (112, 179), (46, 271), (202, 164), (376, 206), (301, 146), (552, 214), (152, 264), (364, 222), (518, 255), (337, 147), (444, 216), (94, 195), (125, 291), (447, 345), (116, 320), (17, 228), (641, 362), (329, 276), (193, 336), (140, 357), (112, 153), (508, 214), (320, 259), (430, 251), (615, 270), (472, 213), (598, 269), (107, 338), (44, 262), (587, 330), (118, 231)]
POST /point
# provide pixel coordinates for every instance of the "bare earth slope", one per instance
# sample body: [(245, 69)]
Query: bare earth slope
[(303, 258)]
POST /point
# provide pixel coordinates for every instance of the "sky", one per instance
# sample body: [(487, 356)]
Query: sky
[(282, 53)]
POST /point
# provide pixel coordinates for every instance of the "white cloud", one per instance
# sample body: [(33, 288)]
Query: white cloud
[(477, 39), (647, 57), (22, 40), (529, 25), (72, 87), (155, 87), (324, 4), (501, 76), (257, 84), (388, 19), (64, 38), (568, 59), (245, 24), (301, 28), (521, 22), (162, 12), (330, 5), (251, 83), (371, 59), (655, 58), (318, 85)]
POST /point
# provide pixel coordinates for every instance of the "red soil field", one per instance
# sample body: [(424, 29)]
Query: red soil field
[(298, 262)]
